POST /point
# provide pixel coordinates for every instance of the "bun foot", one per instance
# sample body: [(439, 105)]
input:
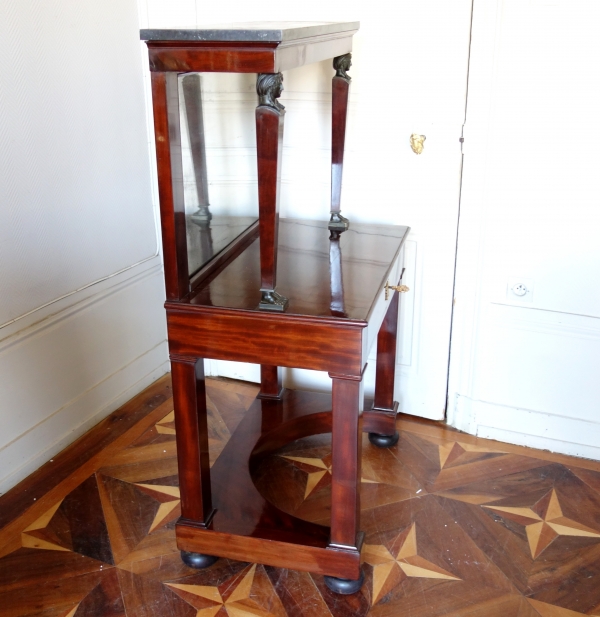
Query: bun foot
[(344, 586), (197, 560), (383, 441)]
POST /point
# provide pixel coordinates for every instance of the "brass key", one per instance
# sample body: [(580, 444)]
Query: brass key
[(401, 288)]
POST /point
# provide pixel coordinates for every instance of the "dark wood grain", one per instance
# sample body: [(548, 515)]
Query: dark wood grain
[(245, 525), (224, 257), (346, 443), (82, 510), (219, 320), (245, 56), (189, 398), (381, 418), (340, 88), (466, 549), (192, 94), (386, 357), (271, 382), (336, 274), (251, 336), (342, 564), (380, 421), (308, 262), (207, 56), (167, 135), (269, 148)]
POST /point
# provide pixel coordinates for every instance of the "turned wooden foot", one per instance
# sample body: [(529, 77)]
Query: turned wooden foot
[(344, 586), (197, 560), (384, 441)]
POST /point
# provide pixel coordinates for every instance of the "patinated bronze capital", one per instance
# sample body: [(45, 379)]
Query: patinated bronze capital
[(269, 87), (272, 301), (342, 65), (338, 223)]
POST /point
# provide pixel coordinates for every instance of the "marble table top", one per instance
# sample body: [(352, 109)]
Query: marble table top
[(266, 31)]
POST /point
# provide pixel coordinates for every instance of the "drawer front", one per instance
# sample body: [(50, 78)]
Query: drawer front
[(381, 305)]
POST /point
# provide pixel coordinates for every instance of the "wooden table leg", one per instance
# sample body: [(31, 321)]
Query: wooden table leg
[(167, 133), (336, 275), (189, 399), (346, 439), (380, 421), (340, 87), (269, 147), (192, 95), (271, 382)]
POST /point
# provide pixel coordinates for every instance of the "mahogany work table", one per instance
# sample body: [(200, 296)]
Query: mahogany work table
[(337, 295)]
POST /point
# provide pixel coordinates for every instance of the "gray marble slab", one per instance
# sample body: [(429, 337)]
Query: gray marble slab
[(266, 31)]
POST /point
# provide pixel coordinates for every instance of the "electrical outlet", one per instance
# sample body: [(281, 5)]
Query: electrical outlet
[(519, 289)]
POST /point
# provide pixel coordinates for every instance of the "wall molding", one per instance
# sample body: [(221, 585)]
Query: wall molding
[(67, 371), (127, 381), (47, 315), (544, 321), (536, 429)]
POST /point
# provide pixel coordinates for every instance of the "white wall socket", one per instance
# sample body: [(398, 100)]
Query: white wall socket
[(519, 289)]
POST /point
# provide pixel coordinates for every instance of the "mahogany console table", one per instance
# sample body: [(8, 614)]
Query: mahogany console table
[(337, 295)]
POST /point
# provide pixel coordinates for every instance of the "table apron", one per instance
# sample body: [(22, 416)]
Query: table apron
[(265, 339), (223, 57)]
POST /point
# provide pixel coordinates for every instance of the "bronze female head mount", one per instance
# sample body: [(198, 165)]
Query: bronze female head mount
[(269, 87)]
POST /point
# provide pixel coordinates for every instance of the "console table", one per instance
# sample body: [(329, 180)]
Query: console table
[(291, 293)]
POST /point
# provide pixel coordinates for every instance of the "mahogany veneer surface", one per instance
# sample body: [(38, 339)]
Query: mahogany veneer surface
[(455, 526), (252, 47), (204, 243), (304, 273)]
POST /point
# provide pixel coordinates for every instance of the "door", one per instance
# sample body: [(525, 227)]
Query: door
[(526, 338), (409, 76)]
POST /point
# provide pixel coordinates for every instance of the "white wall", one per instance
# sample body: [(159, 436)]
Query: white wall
[(81, 323), (408, 76), (525, 369)]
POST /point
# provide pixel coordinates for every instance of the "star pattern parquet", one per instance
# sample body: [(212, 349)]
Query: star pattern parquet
[(454, 526)]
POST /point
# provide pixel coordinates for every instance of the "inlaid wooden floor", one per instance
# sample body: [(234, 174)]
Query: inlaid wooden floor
[(455, 526)]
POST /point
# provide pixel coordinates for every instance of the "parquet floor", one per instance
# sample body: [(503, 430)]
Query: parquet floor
[(455, 526)]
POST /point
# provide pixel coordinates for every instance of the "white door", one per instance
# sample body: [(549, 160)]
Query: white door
[(526, 337), (409, 76)]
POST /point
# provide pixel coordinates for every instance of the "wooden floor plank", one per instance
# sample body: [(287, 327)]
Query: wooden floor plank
[(19, 498), (454, 525)]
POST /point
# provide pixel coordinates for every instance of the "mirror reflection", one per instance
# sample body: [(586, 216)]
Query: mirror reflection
[(210, 226), (336, 276)]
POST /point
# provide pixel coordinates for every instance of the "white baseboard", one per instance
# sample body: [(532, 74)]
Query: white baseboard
[(460, 414), (526, 427), (65, 373), (73, 421)]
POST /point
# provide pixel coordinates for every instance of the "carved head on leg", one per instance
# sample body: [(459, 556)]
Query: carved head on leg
[(342, 65), (269, 87)]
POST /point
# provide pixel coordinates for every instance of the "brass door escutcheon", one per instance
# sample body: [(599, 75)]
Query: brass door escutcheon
[(401, 288), (417, 143)]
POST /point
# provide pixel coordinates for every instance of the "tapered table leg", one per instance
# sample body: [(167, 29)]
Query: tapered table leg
[(167, 133), (269, 147), (271, 383), (346, 439), (192, 95), (189, 398), (380, 421), (340, 88), (336, 275)]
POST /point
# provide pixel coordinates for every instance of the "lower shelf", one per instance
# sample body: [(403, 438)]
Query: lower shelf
[(245, 526)]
